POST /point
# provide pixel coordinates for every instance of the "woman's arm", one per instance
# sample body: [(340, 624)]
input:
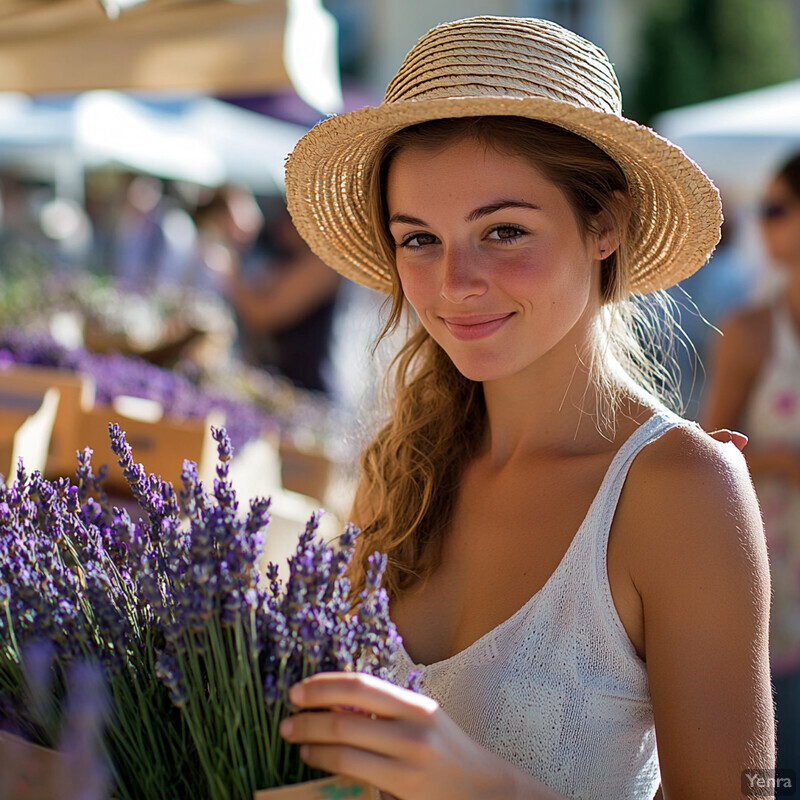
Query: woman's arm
[(699, 562), (288, 297)]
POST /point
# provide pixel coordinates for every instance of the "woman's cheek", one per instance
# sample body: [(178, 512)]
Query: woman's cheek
[(418, 284)]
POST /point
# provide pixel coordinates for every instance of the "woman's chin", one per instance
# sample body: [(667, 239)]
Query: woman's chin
[(483, 372)]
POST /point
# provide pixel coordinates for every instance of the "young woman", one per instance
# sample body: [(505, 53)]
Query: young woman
[(756, 384), (576, 571)]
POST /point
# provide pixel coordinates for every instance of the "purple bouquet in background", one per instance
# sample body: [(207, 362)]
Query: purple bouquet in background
[(115, 374), (197, 649)]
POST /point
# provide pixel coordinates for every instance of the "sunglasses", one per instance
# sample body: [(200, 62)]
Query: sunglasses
[(773, 210)]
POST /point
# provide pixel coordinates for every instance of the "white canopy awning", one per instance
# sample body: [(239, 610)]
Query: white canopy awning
[(738, 140), (191, 138)]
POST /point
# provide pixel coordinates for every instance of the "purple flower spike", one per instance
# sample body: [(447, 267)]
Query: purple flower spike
[(224, 448), (193, 497), (414, 680)]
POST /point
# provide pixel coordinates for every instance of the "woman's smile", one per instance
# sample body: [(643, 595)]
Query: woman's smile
[(475, 327)]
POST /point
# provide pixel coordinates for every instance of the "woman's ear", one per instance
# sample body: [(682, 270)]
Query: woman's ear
[(610, 224)]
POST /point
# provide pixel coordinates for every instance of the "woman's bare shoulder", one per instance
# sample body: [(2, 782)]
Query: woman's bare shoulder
[(697, 556), (689, 498), (693, 474)]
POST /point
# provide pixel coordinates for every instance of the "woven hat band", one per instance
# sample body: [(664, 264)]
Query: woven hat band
[(510, 58)]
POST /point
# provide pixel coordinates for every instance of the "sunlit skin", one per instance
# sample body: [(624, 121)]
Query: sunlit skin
[(492, 258)]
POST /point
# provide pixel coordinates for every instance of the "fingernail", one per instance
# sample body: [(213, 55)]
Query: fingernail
[(304, 751), (286, 727), (296, 693)]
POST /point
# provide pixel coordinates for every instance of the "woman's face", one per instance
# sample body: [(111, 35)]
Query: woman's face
[(491, 257), (780, 223)]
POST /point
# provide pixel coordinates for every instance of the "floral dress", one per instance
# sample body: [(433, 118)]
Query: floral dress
[(772, 418)]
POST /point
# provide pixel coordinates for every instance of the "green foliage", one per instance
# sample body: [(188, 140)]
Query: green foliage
[(698, 50)]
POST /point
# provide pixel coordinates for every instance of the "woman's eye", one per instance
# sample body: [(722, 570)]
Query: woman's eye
[(506, 233), (418, 240)]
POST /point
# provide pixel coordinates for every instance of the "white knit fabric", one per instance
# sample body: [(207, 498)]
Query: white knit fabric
[(558, 688)]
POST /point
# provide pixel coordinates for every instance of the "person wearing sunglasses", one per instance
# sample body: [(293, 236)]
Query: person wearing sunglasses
[(755, 385)]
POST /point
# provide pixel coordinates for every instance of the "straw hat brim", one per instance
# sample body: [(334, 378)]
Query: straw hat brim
[(676, 209)]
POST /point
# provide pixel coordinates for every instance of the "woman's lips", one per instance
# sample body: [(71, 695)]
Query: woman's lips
[(477, 327)]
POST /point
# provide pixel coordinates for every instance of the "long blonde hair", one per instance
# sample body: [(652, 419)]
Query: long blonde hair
[(410, 472)]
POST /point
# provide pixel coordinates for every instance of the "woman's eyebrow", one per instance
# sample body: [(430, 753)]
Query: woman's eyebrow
[(406, 219), (482, 211)]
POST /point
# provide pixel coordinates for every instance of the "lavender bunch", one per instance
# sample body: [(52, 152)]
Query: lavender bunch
[(234, 644), (180, 396), (116, 375), (66, 581)]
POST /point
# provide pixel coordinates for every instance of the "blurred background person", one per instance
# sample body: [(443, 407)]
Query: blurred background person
[(701, 302), (227, 226), (755, 387), (139, 244), (285, 302)]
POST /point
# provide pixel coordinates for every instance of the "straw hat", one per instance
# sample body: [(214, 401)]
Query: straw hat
[(503, 66)]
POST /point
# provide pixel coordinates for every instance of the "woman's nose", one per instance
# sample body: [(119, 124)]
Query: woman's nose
[(462, 275)]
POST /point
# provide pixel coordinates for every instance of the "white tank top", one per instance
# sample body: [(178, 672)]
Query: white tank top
[(557, 689)]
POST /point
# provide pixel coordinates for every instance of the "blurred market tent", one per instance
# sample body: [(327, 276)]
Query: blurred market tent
[(739, 140), (54, 53), (192, 138)]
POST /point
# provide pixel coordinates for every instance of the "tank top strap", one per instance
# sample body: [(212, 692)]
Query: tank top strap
[(604, 510), (608, 495)]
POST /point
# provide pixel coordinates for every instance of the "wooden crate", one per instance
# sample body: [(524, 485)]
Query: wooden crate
[(305, 471), (160, 445), (22, 389), (29, 772)]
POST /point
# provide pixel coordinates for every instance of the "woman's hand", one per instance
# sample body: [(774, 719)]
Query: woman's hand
[(398, 741), (725, 435), (781, 461)]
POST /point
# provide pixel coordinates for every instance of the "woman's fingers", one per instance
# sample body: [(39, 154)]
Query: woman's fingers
[(725, 435), (364, 692), (374, 731), (380, 771), (390, 738)]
